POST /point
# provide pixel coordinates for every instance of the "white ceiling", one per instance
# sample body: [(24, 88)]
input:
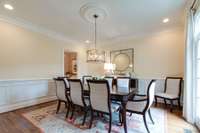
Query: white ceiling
[(124, 17)]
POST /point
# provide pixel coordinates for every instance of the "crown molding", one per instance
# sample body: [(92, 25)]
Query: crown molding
[(129, 37), (36, 28)]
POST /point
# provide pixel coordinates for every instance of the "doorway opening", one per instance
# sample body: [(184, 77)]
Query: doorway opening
[(70, 64)]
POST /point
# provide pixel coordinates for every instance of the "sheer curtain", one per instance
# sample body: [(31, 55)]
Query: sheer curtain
[(188, 106), (197, 66), (191, 108)]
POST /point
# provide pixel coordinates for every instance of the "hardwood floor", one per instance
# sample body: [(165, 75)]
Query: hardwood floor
[(176, 123), (14, 122)]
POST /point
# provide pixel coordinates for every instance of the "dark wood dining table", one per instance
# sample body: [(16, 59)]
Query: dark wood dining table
[(122, 97)]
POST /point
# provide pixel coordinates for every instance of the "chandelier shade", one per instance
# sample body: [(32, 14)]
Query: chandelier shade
[(95, 55), (109, 66)]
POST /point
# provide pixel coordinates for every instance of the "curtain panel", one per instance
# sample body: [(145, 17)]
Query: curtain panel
[(197, 65), (188, 106), (191, 106)]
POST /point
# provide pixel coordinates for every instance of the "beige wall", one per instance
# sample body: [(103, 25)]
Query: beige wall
[(29, 55), (157, 55)]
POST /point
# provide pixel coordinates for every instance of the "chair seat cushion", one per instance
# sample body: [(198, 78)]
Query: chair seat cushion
[(136, 106), (165, 95)]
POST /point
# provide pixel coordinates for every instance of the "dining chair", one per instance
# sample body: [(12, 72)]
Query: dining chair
[(142, 106), (110, 81), (77, 97), (172, 91), (61, 92), (123, 84), (66, 81), (85, 78), (100, 100)]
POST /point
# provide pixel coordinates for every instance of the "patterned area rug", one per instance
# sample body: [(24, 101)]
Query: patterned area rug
[(49, 122)]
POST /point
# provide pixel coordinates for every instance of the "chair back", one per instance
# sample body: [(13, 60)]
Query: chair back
[(123, 84), (150, 93), (99, 95), (76, 92), (173, 85), (85, 78), (60, 88), (110, 82), (67, 82)]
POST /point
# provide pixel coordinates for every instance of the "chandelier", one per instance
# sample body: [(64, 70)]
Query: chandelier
[(95, 55)]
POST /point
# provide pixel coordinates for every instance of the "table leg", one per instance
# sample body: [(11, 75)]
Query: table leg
[(124, 116)]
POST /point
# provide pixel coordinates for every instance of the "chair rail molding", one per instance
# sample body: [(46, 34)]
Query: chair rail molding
[(17, 94)]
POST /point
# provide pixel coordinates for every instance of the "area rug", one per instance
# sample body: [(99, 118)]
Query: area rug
[(49, 122)]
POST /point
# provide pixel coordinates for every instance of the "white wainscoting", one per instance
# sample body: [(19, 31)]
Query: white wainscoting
[(16, 94), (160, 84)]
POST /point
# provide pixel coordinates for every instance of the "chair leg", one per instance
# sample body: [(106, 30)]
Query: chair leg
[(149, 112), (98, 115), (156, 101), (58, 107), (65, 104), (145, 123), (130, 114), (110, 124), (85, 115), (120, 117), (68, 108), (73, 108), (179, 103), (165, 102), (171, 101), (91, 119)]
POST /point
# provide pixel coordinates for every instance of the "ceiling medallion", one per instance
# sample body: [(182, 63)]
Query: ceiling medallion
[(88, 10)]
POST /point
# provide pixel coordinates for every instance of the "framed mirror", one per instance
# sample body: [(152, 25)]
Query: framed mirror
[(123, 59)]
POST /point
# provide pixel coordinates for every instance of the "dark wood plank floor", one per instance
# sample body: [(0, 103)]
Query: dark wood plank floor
[(14, 122)]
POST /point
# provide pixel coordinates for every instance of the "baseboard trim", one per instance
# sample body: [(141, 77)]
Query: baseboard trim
[(11, 107)]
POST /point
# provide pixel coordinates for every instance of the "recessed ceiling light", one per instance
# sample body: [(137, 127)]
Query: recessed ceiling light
[(166, 20), (87, 41), (8, 6)]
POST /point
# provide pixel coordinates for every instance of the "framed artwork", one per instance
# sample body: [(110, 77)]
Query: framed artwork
[(124, 60)]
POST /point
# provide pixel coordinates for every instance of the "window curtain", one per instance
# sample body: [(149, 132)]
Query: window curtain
[(197, 65), (189, 96), (191, 107)]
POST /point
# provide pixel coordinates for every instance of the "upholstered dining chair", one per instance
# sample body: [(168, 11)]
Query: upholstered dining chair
[(77, 97), (110, 81), (123, 84), (61, 93), (85, 78), (143, 104), (172, 91), (100, 100)]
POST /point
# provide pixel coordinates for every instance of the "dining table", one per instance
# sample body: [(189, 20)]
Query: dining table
[(121, 97)]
